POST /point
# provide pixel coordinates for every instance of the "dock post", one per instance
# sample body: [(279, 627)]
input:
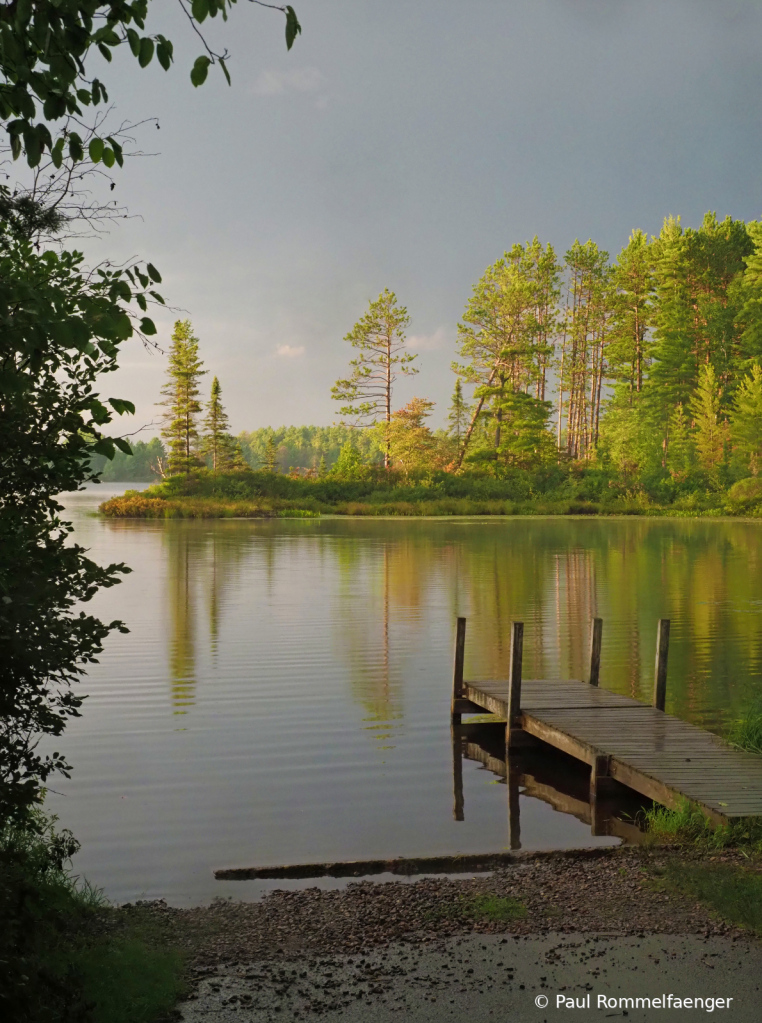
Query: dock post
[(457, 677), (600, 783), (457, 772), (512, 730), (513, 781), (660, 671), (596, 634)]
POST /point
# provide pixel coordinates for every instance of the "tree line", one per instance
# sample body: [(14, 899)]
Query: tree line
[(650, 363)]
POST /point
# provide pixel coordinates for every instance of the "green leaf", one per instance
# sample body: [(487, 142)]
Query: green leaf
[(108, 156), (56, 153), (105, 52), (121, 405), (199, 9), (95, 149), (155, 295), (141, 300), (147, 326), (134, 40), (84, 97), (293, 28), (123, 445), (146, 51), (225, 70), (153, 273), (163, 55), (199, 71)]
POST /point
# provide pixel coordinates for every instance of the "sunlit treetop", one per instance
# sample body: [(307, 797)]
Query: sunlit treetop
[(44, 45)]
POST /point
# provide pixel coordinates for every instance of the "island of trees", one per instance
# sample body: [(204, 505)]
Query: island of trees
[(582, 384)]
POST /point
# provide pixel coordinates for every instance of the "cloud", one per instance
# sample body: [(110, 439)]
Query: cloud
[(289, 351), (274, 83), (428, 342)]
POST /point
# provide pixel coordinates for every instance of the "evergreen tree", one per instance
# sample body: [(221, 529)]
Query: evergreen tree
[(585, 335), (271, 455), (459, 414), (507, 332), (681, 456), (216, 425), (709, 425), (632, 283), (746, 420), (379, 337), (349, 462), (182, 400)]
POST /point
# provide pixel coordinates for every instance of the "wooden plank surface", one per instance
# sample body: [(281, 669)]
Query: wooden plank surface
[(658, 755)]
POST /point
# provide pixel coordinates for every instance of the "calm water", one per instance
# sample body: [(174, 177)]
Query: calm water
[(283, 695)]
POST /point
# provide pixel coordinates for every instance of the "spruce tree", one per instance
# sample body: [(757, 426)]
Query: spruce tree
[(459, 414), (271, 455), (379, 338), (222, 450), (746, 420), (181, 401), (710, 427)]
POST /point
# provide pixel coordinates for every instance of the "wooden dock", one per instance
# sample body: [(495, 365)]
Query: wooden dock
[(623, 741)]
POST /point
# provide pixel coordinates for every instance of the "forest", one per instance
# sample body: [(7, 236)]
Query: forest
[(635, 381)]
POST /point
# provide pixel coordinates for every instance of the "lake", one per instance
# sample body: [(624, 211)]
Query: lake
[(283, 694)]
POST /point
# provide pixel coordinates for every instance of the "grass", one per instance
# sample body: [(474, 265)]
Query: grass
[(746, 732), (689, 826), (66, 955), (481, 907), (733, 892)]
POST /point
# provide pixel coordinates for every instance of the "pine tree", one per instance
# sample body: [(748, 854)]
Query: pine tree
[(216, 442), (507, 332), (680, 454), (379, 337), (271, 455), (181, 401), (710, 427), (459, 414), (746, 420)]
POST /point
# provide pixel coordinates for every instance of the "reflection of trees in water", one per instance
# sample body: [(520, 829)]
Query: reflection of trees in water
[(201, 562), (383, 593), (390, 581)]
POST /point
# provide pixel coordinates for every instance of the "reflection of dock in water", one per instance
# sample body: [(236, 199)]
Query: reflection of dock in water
[(548, 775), (625, 746)]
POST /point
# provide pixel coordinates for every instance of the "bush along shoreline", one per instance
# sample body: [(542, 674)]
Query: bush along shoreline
[(373, 491)]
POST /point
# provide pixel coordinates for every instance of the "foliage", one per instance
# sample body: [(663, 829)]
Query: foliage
[(221, 450), (506, 335), (746, 420), (305, 446), (141, 465), (64, 953), (459, 413), (711, 428), (44, 46), (746, 732), (181, 401), (379, 338), (60, 330), (409, 441), (687, 825)]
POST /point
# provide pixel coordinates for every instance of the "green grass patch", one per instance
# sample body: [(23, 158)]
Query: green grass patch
[(734, 893), (66, 955), (746, 732), (480, 907), (689, 826)]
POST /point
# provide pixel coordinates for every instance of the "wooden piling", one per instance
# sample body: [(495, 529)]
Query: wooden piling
[(512, 724), (660, 669), (457, 677), (596, 635), (457, 772)]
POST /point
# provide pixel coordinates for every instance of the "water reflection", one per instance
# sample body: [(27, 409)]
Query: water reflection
[(283, 696)]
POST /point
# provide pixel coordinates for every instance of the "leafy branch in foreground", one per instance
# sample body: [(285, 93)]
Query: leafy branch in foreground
[(44, 46), (60, 328)]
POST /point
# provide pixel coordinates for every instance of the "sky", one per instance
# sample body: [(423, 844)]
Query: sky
[(406, 145)]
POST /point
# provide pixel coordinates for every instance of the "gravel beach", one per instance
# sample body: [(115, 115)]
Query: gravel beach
[(371, 950)]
